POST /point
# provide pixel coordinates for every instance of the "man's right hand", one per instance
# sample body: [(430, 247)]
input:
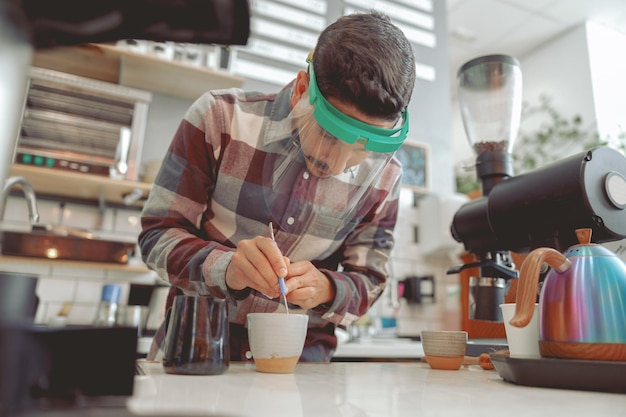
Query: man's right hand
[(257, 264)]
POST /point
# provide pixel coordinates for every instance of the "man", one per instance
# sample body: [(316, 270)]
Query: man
[(316, 162)]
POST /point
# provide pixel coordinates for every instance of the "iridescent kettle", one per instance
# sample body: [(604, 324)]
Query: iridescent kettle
[(582, 304)]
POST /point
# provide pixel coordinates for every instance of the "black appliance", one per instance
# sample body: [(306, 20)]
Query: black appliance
[(542, 208)]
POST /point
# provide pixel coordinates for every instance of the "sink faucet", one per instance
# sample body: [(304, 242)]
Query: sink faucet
[(29, 193)]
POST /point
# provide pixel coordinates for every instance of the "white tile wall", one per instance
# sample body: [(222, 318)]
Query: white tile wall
[(79, 314), (127, 221), (16, 212), (85, 217)]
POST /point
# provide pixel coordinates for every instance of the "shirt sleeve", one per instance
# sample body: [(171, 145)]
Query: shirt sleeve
[(172, 241)]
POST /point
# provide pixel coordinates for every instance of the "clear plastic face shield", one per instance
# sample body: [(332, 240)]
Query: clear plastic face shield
[(328, 163)]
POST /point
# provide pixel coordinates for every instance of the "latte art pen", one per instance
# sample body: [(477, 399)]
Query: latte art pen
[(281, 280)]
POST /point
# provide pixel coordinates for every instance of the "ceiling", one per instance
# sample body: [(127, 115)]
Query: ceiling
[(517, 27)]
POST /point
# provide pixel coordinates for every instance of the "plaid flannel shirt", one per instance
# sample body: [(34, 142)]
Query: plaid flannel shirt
[(208, 196)]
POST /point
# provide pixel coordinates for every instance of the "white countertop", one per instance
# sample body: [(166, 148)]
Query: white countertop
[(360, 389), (380, 348)]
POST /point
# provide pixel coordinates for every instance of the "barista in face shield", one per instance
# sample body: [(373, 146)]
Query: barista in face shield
[(316, 161), (315, 118)]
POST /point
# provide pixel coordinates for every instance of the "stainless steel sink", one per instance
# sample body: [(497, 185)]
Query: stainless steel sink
[(56, 242)]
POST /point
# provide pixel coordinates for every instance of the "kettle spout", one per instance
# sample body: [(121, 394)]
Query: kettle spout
[(529, 280)]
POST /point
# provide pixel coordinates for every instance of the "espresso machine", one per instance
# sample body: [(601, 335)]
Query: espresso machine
[(541, 208)]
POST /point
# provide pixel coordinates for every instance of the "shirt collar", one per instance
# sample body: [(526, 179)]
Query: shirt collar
[(279, 126)]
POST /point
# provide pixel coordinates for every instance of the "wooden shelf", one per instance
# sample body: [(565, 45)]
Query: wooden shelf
[(116, 65), (77, 264), (81, 186)]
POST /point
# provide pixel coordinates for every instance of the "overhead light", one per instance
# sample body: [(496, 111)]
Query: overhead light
[(52, 253)]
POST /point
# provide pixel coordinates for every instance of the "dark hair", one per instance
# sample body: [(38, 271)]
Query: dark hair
[(365, 60)]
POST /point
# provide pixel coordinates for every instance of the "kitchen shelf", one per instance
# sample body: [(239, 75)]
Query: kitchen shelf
[(77, 264), (81, 186), (109, 63)]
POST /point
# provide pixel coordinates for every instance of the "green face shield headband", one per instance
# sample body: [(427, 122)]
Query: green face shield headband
[(351, 130)]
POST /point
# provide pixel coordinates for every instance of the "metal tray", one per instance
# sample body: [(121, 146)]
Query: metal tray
[(588, 375), (52, 245)]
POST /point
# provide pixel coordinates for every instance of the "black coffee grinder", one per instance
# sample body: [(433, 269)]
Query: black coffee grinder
[(542, 208), (490, 97)]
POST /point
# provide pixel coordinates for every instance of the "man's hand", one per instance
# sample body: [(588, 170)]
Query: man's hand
[(307, 287), (257, 264)]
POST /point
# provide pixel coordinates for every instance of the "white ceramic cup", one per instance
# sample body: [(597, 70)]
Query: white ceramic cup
[(276, 340), (523, 341)]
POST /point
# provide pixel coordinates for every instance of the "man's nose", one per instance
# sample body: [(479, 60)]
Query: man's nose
[(340, 160)]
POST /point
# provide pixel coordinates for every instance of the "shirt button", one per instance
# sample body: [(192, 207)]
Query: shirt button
[(291, 221), (305, 175), (248, 355)]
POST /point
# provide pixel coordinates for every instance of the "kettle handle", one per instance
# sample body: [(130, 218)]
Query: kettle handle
[(529, 279)]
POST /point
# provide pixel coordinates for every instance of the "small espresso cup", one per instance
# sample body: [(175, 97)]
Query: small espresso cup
[(276, 340), (444, 349), (196, 342)]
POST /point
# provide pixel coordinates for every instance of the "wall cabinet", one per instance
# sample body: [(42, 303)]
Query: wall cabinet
[(81, 186), (115, 65)]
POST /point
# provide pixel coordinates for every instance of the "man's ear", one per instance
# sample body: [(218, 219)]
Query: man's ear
[(300, 88)]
